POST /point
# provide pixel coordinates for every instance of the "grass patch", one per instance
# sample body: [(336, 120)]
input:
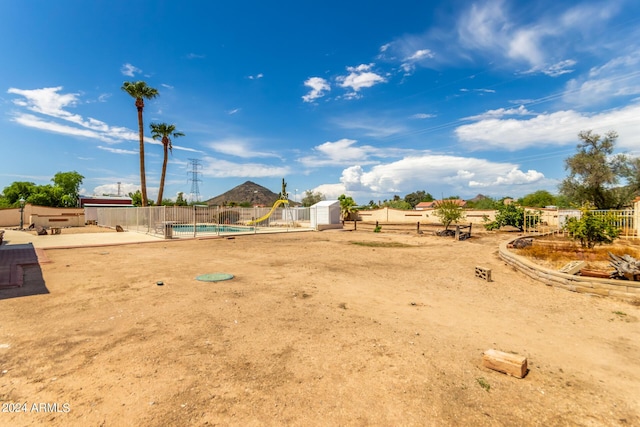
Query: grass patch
[(484, 384), (383, 244)]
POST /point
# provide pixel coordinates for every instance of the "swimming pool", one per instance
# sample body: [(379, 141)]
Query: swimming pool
[(211, 228)]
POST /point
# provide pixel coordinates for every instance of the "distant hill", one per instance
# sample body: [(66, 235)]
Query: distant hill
[(249, 192), (477, 198)]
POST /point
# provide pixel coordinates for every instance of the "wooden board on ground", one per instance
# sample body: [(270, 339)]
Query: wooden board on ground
[(507, 363)]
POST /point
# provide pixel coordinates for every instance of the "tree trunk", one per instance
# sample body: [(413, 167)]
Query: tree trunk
[(143, 176), (164, 170)]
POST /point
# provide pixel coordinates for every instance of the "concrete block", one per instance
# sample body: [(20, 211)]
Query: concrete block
[(483, 273)]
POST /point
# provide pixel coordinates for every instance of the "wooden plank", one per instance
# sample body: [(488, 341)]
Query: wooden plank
[(507, 363)]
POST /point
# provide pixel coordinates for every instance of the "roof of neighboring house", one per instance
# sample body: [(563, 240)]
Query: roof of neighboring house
[(105, 200)]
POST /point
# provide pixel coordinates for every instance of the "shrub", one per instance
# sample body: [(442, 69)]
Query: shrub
[(448, 211), (510, 214), (592, 229)]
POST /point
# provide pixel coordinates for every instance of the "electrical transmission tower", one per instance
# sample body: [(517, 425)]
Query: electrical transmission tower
[(194, 195)]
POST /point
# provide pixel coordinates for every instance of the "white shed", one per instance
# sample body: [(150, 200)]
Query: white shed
[(325, 215)]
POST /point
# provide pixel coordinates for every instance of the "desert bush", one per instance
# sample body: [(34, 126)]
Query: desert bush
[(510, 214), (591, 229), (448, 211)]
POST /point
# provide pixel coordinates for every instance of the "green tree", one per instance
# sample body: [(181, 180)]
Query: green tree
[(46, 195), (347, 207), (508, 214), (136, 198), (593, 171), (416, 197), (311, 198), (482, 203), (538, 199), (180, 201), (448, 211), (140, 91), (16, 190), (397, 204), (69, 185), (591, 229), (164, 132)]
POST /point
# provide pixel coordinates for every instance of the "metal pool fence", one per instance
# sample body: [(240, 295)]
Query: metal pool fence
[(554, 221), (192, 221)]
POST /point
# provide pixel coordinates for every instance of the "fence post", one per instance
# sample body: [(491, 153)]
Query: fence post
[(195, 221)]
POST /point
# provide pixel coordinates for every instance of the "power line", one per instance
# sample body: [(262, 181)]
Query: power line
[(194, 195)]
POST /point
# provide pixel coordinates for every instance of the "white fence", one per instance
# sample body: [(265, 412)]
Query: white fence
[(192, 221), (553, 221)]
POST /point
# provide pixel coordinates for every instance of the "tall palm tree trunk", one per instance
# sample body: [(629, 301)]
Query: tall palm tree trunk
[(164, 170), (143, 176)]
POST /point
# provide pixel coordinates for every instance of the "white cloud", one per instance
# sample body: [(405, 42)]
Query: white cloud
[(49, 102), (345, 152), (318, 87), (617, 78), (32, 121), (360, 77), (375, 128), (549, 129), (422, 116), (483, 26), (130, 70), (52, 104), (341, 152), (513, 177), (559, 68), (454, 174), (239, 147), (256, 77), (216, 168), (421, 54), (117, 150), (112, 189), (409, 63), (234, 111), (501, 112)]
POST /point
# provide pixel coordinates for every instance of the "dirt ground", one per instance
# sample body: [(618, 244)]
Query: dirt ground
[(313, 330)]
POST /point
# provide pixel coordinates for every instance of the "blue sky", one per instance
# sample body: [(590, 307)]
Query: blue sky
[(368, 98)]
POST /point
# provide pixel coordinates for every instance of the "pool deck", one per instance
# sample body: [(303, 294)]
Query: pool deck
[(21, 248), (16, 237), (54, 241)]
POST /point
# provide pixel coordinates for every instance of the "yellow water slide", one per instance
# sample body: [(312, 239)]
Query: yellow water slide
[(275, 205)]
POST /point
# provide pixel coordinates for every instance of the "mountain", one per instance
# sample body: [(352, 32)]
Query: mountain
[(477, 198), (249, 192)]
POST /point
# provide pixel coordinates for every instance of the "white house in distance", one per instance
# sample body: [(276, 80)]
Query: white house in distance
[(325, 215)]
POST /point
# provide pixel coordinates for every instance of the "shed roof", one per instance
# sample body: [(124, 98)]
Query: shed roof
[(327, 203)]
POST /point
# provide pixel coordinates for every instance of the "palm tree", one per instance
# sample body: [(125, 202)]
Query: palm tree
[(164, 132), (140, 91)]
